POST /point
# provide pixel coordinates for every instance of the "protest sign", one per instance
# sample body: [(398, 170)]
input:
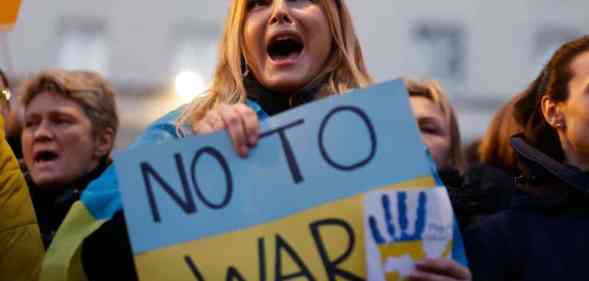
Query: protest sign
[(8, 13), (318, 198)]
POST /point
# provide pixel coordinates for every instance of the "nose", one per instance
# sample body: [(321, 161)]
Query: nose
[(43, 132), (280, 12)]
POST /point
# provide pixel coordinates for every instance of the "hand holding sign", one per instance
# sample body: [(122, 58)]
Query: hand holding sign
[(294, 207), (240, 121)]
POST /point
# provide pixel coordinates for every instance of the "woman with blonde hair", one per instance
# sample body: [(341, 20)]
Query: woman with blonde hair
[(70, 124), (437, 123), (274, 56)]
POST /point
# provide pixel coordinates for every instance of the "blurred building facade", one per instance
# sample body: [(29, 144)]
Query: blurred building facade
[(482, 51)]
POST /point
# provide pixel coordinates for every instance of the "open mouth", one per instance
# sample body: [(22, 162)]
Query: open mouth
[(45, 156), (285, 47)]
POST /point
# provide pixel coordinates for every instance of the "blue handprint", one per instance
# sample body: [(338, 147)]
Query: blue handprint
[(403, 235)]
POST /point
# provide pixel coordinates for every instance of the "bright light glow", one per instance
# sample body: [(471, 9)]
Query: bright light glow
[(189, 85)]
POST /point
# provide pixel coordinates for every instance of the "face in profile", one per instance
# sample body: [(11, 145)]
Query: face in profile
[(286, 42), (575, 110), (57, 139), (434, 128)]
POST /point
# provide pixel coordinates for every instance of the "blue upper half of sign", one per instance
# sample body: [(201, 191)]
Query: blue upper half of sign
[(318, 153)]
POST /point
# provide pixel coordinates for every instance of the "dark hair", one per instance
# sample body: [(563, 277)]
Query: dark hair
[(552, 82), (495, 146), (4, 79)]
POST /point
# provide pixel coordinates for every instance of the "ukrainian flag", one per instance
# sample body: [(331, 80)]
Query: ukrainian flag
[(98, 203)]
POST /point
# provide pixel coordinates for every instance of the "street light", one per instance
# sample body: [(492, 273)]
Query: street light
[(189, 85)]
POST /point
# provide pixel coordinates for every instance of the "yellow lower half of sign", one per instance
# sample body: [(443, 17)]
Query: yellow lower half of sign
[(324, 241)]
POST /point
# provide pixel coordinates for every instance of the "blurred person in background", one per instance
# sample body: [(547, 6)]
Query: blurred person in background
[(21, 249), (495, 149), (471, 152), (476, 191), (543, 236), (489, 182), (437, 123), (70, 124), (261, 71)]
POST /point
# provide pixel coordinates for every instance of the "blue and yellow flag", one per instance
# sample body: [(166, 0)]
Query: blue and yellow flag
[(97, 205)]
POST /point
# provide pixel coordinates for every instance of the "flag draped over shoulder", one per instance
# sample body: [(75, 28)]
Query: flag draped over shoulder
[(98, 203)]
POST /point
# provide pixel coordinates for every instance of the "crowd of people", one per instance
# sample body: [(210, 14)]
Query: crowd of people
[(519, 193)]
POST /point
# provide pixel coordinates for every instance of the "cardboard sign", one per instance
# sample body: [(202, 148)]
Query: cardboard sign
[(306, 203), (8, 13)]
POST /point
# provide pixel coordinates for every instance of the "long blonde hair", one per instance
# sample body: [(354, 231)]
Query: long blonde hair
[(344, 70)]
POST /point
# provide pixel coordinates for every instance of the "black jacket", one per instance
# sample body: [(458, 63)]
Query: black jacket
[(484, 190), (52, 204), (543, 236)]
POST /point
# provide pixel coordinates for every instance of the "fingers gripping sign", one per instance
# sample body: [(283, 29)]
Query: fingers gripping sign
[(240, 121), (404, 227)]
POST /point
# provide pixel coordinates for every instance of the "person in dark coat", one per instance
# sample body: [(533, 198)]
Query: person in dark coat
[(543, 236), (488, 183), (70, 124)]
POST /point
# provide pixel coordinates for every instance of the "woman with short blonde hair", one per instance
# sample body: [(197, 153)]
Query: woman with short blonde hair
[(88, 89), (70, 123)]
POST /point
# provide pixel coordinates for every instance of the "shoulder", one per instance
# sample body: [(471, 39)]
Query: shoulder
[(163, 129)]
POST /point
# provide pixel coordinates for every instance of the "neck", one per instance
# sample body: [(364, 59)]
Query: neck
[(273, 102), (574, 156)]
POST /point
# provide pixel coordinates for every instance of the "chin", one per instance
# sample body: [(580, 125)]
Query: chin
[(286, 86), (48, 182)]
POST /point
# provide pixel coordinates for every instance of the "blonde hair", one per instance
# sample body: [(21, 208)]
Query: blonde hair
[(88, 89), (344, 70), (432, 90)]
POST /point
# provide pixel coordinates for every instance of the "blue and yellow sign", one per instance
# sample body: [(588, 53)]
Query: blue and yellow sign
[(307, 202)]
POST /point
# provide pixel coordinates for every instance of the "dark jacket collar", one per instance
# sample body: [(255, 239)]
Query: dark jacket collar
[(52, 205), (273, 102), (560, 184)]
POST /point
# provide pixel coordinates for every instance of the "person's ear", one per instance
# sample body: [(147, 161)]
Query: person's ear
[(552, 113), (104, 143)]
